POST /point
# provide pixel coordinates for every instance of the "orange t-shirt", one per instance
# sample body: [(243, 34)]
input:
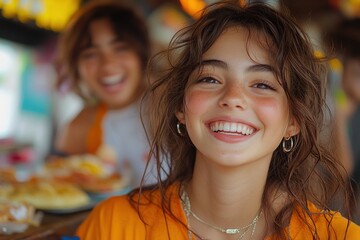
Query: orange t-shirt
[(115, 218)]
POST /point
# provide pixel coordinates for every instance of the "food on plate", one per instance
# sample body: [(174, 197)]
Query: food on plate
[(107, 154), (48, 195), (85, 164), (17, 216), (111, 183), (89, 172), (11, 211), (7, 174), (5, 190)]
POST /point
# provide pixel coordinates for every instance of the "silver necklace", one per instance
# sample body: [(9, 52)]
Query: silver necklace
[(187, 209)]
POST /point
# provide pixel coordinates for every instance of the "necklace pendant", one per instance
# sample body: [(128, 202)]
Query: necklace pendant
[(231, 231)]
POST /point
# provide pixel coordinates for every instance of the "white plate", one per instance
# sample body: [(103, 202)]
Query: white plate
[(86, 207)]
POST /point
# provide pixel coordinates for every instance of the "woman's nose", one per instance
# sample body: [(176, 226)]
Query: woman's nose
[(234, 96), (107, 60)]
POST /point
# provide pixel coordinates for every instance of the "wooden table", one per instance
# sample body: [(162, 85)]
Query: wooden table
[(52, 227)]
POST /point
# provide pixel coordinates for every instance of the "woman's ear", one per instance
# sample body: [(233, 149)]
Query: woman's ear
[(180, 116), (293, 128)]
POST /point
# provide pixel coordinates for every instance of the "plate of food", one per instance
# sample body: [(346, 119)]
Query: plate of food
[(16, 217), (61, 211), (90, 173), (48, 195)]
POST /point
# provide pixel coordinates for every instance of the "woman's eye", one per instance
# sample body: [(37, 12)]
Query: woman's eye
[(263, 86), (120, 47), (208, 80), (88, 54)]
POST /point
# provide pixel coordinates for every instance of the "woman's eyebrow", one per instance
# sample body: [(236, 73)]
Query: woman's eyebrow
[(213, 62), (258, 67), (112, 41)]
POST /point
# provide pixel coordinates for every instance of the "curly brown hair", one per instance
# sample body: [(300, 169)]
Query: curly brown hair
[(128, 25), (303, 77)]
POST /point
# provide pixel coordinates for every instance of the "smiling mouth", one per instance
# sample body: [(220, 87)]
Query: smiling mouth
[(113, 80), (233, 128)]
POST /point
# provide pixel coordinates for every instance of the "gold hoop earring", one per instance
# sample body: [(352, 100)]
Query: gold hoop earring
[(285, 144), (178, 127)]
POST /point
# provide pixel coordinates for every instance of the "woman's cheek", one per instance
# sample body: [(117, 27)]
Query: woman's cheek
[(88, 70), (271, 109), (196, 101)]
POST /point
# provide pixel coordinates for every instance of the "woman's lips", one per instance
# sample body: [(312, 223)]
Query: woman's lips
[(231, 128)]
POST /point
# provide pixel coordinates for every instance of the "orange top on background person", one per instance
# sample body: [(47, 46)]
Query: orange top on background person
[(238, 115), (103, 53)]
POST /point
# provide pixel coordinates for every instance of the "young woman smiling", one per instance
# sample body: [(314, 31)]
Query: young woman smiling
[(238, 116)]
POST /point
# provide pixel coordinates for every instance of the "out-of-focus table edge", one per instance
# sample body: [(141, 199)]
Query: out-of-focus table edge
[(52, 227)]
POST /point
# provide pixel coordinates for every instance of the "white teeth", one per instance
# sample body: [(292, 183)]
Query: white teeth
[(226, 127), (112, 79), (239, 128), (231, 127)]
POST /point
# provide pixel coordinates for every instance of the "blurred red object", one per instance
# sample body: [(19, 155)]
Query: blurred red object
[(12, 153), (24, 154)]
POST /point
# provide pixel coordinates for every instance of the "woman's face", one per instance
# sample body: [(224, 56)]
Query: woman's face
[(236, 111), (351, 79), (109, 67)]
